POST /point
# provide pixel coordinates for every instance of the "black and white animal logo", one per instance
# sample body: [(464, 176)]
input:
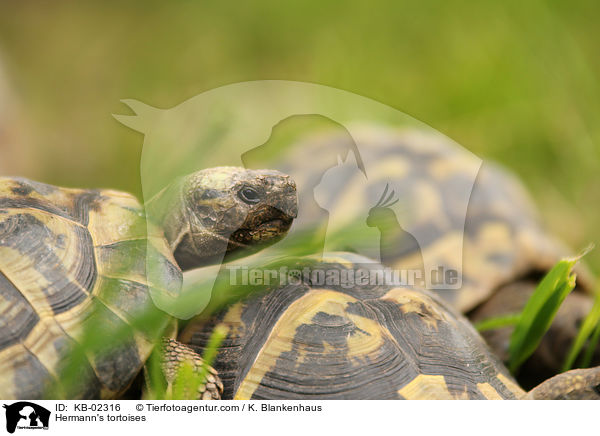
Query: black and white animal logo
[(26, 415)]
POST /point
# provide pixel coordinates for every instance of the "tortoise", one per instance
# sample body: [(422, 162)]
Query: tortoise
[(491, 235), (316, 338), (74, 262)]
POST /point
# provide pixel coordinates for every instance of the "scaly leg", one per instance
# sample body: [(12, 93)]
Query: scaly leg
[(577, 384), (175, 354)]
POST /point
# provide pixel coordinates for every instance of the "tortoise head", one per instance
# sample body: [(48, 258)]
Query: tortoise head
[(224, 211)]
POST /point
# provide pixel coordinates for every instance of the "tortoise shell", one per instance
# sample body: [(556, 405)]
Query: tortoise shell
[(67, 268), (474, 219), (366, 341)]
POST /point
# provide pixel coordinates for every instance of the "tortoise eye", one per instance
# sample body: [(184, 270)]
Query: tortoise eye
[(249, 195)]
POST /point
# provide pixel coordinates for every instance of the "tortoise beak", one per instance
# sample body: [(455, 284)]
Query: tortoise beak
[(286, 199), (269, 221), (289, 205)]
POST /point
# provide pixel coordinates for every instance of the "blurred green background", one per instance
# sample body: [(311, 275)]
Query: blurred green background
[(513, 81)]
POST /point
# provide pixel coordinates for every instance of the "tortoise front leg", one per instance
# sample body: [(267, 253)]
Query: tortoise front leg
[(166, 364), (175, 354)]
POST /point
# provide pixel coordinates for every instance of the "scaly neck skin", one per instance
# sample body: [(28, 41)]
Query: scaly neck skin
[(168, 210), (190, 242)]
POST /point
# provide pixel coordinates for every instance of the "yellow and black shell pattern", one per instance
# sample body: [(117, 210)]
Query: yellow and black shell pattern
[(435, 183), (71, 260), (364, 341)]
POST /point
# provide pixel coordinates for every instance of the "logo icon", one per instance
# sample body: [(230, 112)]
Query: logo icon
[(26, 415)]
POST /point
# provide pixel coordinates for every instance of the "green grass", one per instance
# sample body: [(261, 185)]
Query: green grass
[(532, 323), (590, 333), (539, 311), (513, 81), (529, 326), (100, 336), (498, 322)]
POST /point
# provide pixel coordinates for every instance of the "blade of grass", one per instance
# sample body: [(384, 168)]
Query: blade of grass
[(590, 327), (217, 336), (156, 385), (591, 348), (186, 383), (539, 312), (498, 322)]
